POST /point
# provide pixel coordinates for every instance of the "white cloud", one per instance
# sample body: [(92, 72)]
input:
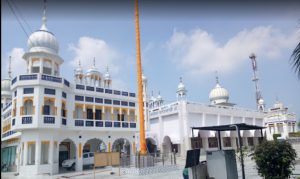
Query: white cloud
[(18, 64), (87, 48), (199, 53)]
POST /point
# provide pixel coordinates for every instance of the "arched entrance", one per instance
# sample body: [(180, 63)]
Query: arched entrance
[(151, 145), (121, 145), (91, 146), (67, 151)]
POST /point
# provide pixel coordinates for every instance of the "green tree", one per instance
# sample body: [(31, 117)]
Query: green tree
[(275, 159), (296, 60)]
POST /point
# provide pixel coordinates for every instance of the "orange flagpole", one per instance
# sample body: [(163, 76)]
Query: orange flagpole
[(143, 150)]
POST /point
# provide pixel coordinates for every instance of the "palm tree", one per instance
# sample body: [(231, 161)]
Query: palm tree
[(296, 60)]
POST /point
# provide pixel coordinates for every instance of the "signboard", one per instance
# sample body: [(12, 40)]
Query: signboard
[(102, 159)]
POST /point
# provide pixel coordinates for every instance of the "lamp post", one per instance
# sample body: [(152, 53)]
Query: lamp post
[(241, 151)]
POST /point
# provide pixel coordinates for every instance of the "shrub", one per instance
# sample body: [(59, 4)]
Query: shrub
[(274, 159), (275, 136)]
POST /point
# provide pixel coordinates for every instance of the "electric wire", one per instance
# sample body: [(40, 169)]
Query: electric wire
[(21, 15)]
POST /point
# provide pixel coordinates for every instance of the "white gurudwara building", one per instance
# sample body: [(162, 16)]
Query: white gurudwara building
[(169, 125), (47, 119)]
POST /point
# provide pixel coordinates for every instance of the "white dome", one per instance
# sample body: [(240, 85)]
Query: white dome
[(5, 87), (107, 76), (42, 40), (93, 71), (218, 95), (144, 78), (261, 101), (159, 98)]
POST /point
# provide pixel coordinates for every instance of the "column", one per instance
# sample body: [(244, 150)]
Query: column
[(94, 112), (103, 113), (79, 158), (41, 65), (52, 68), (25, 154), (112, 113), (37, 153), (30, 66), (51, 150)]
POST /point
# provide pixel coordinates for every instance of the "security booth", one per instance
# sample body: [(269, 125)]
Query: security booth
[(222, 163)]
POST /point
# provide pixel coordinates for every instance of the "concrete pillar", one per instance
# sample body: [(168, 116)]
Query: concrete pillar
[(25, 153), (52, 68), (79, 163), (30, 66), (37, 152), (41, 65), (51, 150)]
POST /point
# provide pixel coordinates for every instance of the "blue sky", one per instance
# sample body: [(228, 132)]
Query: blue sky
[(183, 39)]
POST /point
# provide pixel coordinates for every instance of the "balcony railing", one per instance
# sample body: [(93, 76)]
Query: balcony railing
[(105, 124), (27, 120), (63, 121), (79, 123), (28, 77), (8, 133), (49, 120), (117, 124), (14, 80), (51, 78)]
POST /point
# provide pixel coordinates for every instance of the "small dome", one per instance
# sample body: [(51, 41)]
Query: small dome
[(218, 95), (5, 87), (181, 86), (78, 71)]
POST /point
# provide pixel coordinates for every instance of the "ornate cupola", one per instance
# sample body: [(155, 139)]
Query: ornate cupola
[(107, 79), (93, 76), (42, 55), (181, 91)]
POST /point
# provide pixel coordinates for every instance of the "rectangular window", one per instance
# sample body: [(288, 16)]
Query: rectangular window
[(98, 100), (64, 94), (212, 142), (226, 141), (78, 98), (250, 141), (44, 152), (107, 101), (89, 88), (116, 102), (109, 91), (49, 91), (35, 69), (89, 99), (99, 90), (196, 142), (15, 93), (132, 94), (124, 103), (47, 70), (98, 114), (124, 93), (80, 87), (46, 110), (31, 153), (131, 104), (28, 90), (89, 113), (117, 92)]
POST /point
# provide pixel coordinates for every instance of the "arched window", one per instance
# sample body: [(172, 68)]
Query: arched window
[(28, 107)]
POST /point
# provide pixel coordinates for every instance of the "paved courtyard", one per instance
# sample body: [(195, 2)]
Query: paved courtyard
[(250, 172)]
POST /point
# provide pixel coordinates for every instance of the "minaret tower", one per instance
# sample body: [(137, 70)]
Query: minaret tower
[(181, 91), (79, 76), (107, 79), (259, 99), (145, 99)]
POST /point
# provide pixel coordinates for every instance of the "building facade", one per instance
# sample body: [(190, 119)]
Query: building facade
[(170, 124), (47, 119), (279, 121)]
